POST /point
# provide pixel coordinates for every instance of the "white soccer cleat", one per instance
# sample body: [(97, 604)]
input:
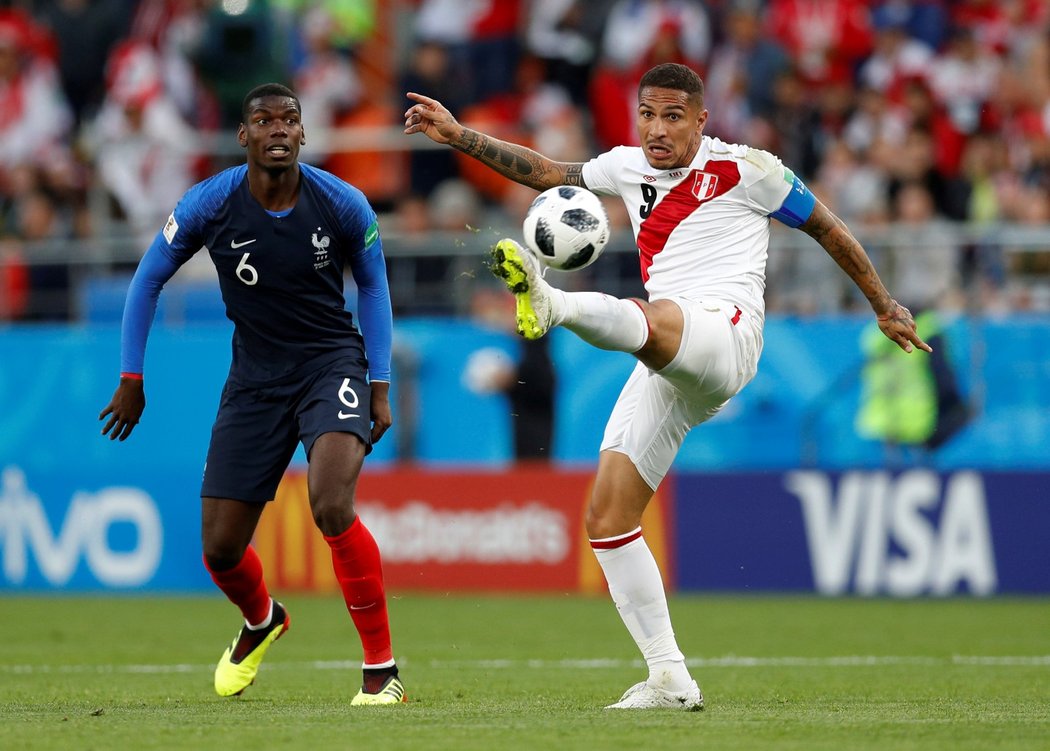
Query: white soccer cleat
[(520, 270), (643, 696)]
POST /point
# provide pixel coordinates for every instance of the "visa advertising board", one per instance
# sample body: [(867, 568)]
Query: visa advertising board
[(916, 532)]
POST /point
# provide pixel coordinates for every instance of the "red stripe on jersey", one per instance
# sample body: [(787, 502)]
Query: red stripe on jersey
[(616, 542), (698, 187)]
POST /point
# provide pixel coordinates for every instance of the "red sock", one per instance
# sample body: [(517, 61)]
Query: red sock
[(359, 569), (244, 586)]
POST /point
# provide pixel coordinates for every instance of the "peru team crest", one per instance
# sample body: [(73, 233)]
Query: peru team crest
[(704, 185)]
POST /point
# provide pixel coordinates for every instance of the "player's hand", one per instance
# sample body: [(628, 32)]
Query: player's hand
[(124, 409), (431, 118), (899, 326), (382, 417)]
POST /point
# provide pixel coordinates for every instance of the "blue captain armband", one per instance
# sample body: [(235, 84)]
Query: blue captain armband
[(797, 206)]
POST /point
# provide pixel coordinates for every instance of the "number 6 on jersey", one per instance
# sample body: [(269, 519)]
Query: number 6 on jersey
[(250, 275)]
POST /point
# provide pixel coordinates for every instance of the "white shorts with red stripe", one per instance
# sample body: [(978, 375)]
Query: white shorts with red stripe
[(719, 355)]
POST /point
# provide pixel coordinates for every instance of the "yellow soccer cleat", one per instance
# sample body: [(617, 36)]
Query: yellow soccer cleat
[(520, 271), (391, 692), (240, 662)]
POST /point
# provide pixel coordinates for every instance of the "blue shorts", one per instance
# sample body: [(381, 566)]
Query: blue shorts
[(257, 429)]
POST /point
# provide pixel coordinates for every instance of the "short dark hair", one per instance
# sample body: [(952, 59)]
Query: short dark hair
[(674, 76), (267, 89)]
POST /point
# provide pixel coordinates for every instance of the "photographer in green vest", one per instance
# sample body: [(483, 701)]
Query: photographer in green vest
[(910, 401)]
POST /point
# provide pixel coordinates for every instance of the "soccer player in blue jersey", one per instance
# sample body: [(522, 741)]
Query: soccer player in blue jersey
[(280, 233)]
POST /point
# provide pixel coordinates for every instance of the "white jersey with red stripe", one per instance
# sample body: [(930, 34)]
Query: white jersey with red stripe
[(703, 230)]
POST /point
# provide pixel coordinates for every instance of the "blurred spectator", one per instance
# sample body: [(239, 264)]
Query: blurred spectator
[(924, 145), (635, 28), (84, 31), (639, 34), (741, 74), (851, 186), (429, 226), (1016, 111), (40, 221), (566, 34), (144, 151), (794, 123), (963, 78), (481, 37), (834, 105), (326, 82), (984, 166), (895, 58), (534, 112), (870, 125), (988, 20), (453, 206), (923, 20), (410, 219), (174, 28), (14, 281), (529, 382), (36, 120), (827, 39), (988, 183), (923, 264), (430, 72), (910, 402)]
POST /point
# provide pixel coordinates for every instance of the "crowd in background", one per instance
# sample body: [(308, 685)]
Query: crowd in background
[(922, 114)]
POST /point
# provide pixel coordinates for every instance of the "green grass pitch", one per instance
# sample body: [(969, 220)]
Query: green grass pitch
[(490, 673)]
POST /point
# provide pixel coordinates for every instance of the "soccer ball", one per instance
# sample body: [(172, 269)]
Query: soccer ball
[(566, 227)]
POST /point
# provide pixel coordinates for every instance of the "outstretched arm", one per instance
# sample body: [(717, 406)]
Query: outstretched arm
[(834, 236), (518, 163), (125, 409)]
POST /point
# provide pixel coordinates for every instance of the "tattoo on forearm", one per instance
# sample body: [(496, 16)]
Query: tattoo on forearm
[(510, 160), (839, 243), (518, 163)]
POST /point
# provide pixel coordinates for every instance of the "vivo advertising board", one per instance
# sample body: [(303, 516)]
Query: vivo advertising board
[(83, 532)]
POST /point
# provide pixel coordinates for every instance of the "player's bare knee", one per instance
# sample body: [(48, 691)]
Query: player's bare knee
[(333, 517), (603, 521), (221, 556), (666, 325)]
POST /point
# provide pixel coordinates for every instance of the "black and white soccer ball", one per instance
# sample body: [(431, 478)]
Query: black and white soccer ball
[(566, 227)]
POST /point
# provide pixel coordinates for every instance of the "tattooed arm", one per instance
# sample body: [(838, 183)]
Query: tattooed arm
[(518, 163), (834, 236)]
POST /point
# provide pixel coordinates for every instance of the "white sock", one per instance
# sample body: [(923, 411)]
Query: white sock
[(638, 591), (378, 665), (605, 321), (266, 621)]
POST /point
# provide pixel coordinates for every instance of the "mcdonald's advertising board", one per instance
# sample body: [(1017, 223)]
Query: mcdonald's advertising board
[(511, 530)]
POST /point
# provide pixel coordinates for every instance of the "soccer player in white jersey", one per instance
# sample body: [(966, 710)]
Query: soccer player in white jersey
[(701, 210)]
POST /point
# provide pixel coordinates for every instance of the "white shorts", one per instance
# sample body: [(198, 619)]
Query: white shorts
[(719, 355)]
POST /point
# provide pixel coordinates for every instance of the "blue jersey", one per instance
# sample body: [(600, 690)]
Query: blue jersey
[(281, 275)]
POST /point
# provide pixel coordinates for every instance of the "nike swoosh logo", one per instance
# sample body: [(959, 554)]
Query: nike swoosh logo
[(345, 416), (362, 607), (234, 244)]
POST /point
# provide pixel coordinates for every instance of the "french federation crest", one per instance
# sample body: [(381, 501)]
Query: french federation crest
[(321, 244)]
